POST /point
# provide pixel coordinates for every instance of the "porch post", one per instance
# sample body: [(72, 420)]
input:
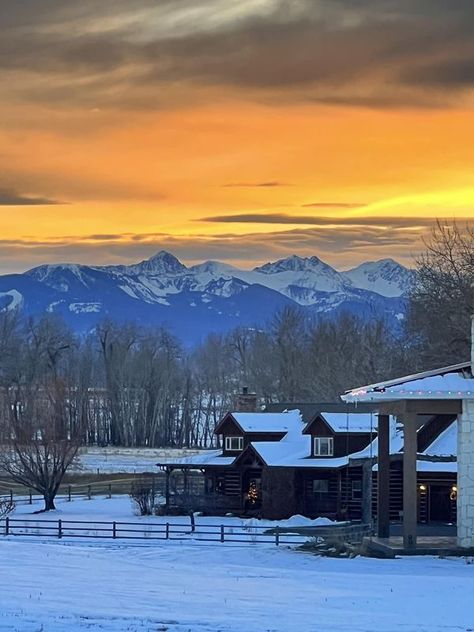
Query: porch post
[(410, 504), (383, 477), (167, 488), (367, 491)]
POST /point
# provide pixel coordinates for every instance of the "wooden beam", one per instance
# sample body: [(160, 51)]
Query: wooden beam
[(383, 477), (410, 504), (367, 492), (422, 407)]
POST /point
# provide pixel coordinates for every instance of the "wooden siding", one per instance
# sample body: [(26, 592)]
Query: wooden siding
[(429, 479)]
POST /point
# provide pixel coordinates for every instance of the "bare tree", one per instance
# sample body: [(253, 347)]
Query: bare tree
[(6, 507), (442, 297), (42, 442)]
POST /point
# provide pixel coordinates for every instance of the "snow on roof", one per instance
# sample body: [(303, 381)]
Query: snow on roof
[(452, 382), (288, 421), (212, 457), (294, 454), (446, 444), (351, 422), (436, 466), (395, 443)]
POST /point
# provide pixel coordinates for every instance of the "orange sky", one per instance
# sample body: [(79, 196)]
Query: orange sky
[(220, 168)]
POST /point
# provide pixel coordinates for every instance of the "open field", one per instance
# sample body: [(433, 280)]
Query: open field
[(193, 586), (197, 588)]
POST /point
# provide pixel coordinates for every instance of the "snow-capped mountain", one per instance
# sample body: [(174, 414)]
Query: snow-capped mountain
[(386, 277), (210, 296)]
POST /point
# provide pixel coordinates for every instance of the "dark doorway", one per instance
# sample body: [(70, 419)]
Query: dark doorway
[(440, 503)]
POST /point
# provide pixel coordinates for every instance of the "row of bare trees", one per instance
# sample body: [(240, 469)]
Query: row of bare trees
[(128, 386)]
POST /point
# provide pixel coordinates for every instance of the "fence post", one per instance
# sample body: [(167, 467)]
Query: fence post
[(11, 496), (89, 492), (110, 490), (277, 536), (31, 497), (69, 494), (7, 526), (193, 521), (167, 530), (114, 530), (60, 529), (222, 533)]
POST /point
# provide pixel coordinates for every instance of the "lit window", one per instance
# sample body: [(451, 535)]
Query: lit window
[(323, 446), (234, 444)]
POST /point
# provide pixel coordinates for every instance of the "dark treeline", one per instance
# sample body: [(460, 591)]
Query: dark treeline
[(134, 387)]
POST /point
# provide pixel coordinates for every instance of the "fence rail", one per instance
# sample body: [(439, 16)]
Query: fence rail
[(223, 533), (107, 489)]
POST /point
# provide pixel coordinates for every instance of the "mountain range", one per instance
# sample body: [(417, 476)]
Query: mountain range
[(209, 297)]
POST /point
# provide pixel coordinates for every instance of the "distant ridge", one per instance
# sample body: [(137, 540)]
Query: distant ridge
[(211, 296)]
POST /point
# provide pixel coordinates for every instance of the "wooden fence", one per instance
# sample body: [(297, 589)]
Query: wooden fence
[(228, 533), (26, 496)]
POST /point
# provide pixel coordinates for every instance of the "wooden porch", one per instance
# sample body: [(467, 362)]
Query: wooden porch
[(444, 546)]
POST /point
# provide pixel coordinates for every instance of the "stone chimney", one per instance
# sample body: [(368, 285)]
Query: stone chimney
[(246, 402)]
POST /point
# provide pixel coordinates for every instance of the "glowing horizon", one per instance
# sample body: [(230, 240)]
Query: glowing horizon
[(239, 134)]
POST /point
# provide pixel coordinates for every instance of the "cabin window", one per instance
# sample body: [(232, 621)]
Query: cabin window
[(209, 485), (220, 484), (320, 486), (234, 444), (356, 490), (323, 446)]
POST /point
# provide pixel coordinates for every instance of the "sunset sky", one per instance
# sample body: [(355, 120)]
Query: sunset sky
[(241, 130)]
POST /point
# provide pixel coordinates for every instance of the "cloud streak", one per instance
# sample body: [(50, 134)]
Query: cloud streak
[(9, 197), (338, 51), (342, 246), (285, 218), (264, 185)]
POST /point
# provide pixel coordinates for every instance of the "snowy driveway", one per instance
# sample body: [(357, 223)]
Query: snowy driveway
[(172, 587)]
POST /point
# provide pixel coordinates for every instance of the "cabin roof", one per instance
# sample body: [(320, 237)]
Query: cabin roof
[(205, 459), (294, 454), (350, 422), (446, 444), (286, 421), (450, 382)]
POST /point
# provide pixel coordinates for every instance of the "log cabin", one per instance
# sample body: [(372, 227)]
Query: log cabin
[(311, 459)]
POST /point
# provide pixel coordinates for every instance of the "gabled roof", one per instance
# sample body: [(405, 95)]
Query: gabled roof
[(349, 422), (278, 423), (446, 444), (450, 382)]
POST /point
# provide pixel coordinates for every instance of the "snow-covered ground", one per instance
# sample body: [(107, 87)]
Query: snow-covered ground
[(95, 518), (125, 460), (172, 586)]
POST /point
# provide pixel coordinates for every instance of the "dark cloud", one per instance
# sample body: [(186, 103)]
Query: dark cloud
[(269, 184), (334, 205), (142, 54), (285, 218), (455, 73), (9, 197)]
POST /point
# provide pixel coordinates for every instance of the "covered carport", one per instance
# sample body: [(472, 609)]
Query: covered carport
[(448, 390)]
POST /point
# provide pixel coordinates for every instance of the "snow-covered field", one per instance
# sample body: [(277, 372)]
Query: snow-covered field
[(54, 586), (125, 460)]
